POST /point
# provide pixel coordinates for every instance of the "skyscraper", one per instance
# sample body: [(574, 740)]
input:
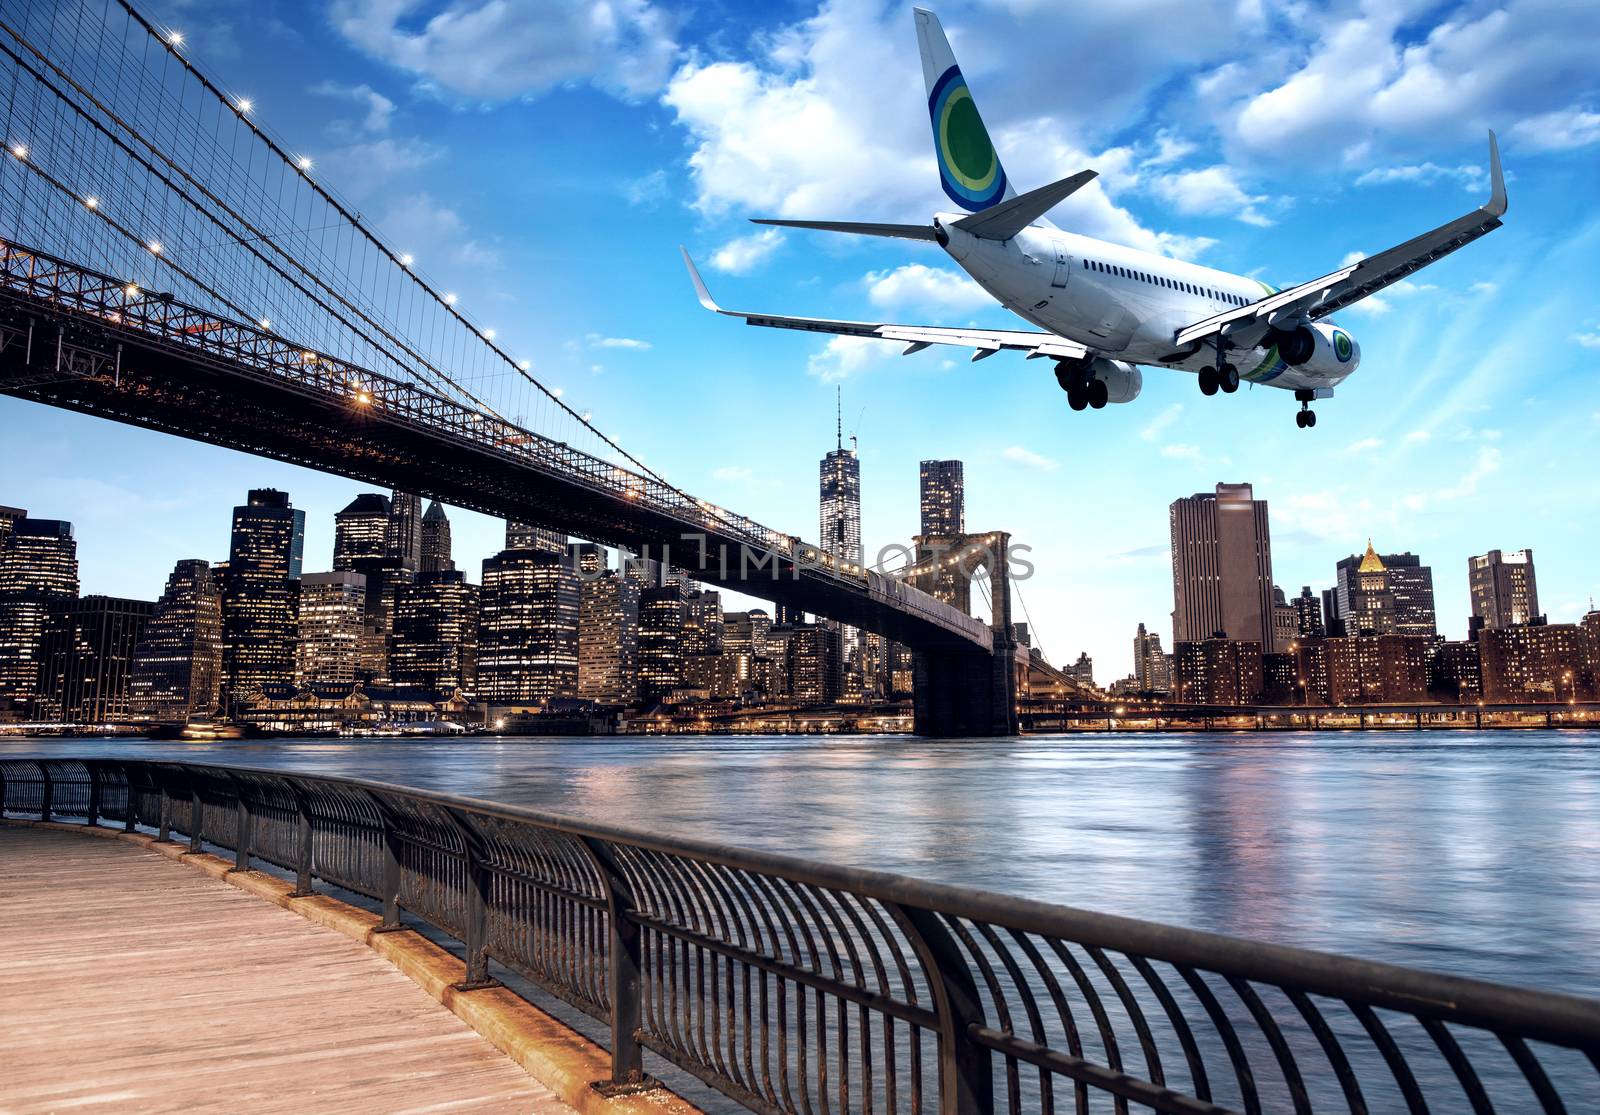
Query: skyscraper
[(87, 657), (405, 530), (1221, 566), (1381, 594), (1308, 614), (663, 614), (608, 639), (436, 633), (258, 600), (361, 534), (331, 616), (527, 628), (8, 517), (1411, 584), (943, 498), (177, 666), (840, 524), (525, 536), (1504, 592), (1152, 669), (38, 568), (436, 556)]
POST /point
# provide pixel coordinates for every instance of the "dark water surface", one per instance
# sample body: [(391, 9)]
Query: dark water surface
[(1472, 853)]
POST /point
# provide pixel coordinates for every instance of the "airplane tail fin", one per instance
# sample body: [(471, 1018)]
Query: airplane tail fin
[(969, 166)]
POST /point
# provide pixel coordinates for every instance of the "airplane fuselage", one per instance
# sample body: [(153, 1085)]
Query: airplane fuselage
[(1128, 304)]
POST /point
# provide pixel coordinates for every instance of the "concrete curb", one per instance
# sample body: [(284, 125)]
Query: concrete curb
[(548, 1050)]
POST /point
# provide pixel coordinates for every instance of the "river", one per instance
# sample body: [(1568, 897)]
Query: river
[(1471, 853)]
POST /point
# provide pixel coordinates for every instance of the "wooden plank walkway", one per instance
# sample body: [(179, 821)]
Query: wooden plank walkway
[(133, 983)]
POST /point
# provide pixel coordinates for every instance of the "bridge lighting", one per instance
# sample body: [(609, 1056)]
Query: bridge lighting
[(303, 162), (488, 334), (265, 323), (587, 415), (407, 260), (20, 150), (175, 38), (449, 300), (557, 392), (155, 247), (363, 398), (131, 290), (246, 104), (91, 203), (309, 357), (524, 364)]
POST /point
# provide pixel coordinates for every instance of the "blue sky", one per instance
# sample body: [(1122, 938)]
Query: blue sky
[(545, 160)]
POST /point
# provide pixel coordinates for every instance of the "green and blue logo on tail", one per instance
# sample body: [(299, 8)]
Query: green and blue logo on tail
[(968, 165)]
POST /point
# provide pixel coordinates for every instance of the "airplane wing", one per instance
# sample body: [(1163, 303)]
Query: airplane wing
[(983, 342), (1318, 298)]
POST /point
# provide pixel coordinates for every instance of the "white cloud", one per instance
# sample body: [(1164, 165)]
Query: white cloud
[(1418, 437), (843, 357), (1365, 445), (1158, 425), (494, 49), (1562, 130), (1588, 340), (380, 109), (741, 254), (434, 233), (1209, 191), (646, 190), (364, 168), (916, 284), (1470, 177), (1485, 288), (1485, 465), (732, 472), (1018, 455), (596, 340)]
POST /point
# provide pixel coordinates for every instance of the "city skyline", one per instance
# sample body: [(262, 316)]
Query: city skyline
[(1435, 442)]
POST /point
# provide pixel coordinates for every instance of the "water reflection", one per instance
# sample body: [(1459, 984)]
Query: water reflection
[(1471, 853)]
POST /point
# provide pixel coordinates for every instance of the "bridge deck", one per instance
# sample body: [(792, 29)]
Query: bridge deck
[(123, 990)]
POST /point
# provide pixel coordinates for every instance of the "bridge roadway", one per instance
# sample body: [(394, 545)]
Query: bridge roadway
[(134, 984), (75, 338)]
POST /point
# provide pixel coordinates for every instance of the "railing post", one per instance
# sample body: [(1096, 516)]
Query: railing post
[(165, 831), (966, 1069), (196, 819), (476, 930), (46, 793), (624, 960), (391, 874), (242, 826), (302, 856), (130, 816), (92, 815)]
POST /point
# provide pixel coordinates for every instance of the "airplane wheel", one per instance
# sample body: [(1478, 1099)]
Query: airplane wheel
[(1306, 419), (1311, 418), (1077, 398), (1064, 377), (1099, 394), (1228, 379), (1300, 418), (1208, 381)]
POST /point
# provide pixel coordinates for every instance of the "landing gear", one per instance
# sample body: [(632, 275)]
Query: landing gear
[(1208, 380), (1083, 391), (1099, 394), (1307, 417), (1228, 379)]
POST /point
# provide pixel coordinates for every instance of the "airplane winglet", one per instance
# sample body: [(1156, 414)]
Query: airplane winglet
[(1497, 181), (699, 284)]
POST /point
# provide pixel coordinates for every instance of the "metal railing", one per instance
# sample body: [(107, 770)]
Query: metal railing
[(791, 986)]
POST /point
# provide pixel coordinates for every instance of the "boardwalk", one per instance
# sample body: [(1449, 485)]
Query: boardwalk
[(136, 984)]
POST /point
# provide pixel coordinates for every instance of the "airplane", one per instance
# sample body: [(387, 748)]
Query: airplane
[(1104, 309)]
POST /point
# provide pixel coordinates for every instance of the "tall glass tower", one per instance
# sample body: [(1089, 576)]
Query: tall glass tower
[(259, 591)]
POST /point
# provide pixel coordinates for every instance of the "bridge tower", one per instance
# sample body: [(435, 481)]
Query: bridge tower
[(967, 692)]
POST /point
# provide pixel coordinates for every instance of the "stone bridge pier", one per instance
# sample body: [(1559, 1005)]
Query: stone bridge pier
[(964, 691)]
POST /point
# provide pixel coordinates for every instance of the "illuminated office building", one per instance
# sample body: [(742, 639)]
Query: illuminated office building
[(86, 659), (1504, 590), (527, 628), (177, 666), (330, 619), (436, 556), (814, 656), (1218, 672), (361, 534), (1308, 614), (436, 633), (38, 568), (1152, 669), (258, 598), (663, 615), (1221, 567), (404, 540), (943, 498), (525, 536), (8, 518), (1537, 662), (608, 639)]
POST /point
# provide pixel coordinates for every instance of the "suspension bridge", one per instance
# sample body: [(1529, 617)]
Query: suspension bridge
[(168, 262)]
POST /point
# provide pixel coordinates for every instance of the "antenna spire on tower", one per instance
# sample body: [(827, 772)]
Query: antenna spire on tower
[(838, 416)]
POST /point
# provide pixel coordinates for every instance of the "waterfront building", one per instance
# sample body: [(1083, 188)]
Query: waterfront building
[(1377, 669), (902, 670), (1218, 672), (361, 534), (943, 487), (1332, 621), (1381, 594), (839, 523), (663, 614), (1285, 622), (814, 657), (1312, 681), (436, 547), (404, 539), (1537, 662), (744, 644), (87, 658), (258, 592), (774, 669), (329, 629), (1411, 585), (436, 633), (38, 568), (1308, 614), (8, 517), (1279, 678), (1152, 669), (1221, 567), (526, 536), (1455, 672), (1082, 670), (527, 628), (177, 666), (608, 640), (588, 558), (1504, 590)]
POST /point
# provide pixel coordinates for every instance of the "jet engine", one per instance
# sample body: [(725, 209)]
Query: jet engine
[(1327, 348), (1123, 381)]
